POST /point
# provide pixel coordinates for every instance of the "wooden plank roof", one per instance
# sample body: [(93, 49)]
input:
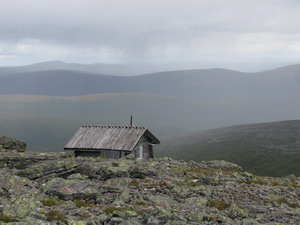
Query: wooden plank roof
[(108, 137)]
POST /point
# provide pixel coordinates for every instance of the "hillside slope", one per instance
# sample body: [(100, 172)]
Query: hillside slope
[(48, 122), (265, 149)]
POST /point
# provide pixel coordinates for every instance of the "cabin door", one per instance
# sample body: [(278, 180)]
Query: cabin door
[(141, 152)]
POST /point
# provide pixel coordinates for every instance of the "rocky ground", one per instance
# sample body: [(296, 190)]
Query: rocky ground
[(56, 188)]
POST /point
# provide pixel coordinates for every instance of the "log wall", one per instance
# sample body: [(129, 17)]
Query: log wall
[(115, 154), (147, 149)]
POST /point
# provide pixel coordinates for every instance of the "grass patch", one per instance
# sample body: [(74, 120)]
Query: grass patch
[(275, 183), (111, 209), (51, 201), (218, 204), (80, 203), (84, 215), (294, 185), (260, 182), (7, 219), (134, 183), (283, 200), (140, 203), (56, 215)]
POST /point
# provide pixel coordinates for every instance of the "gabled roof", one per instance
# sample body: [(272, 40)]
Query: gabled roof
[(109, 137)]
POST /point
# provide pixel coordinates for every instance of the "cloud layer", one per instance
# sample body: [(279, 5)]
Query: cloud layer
[(150, 31)]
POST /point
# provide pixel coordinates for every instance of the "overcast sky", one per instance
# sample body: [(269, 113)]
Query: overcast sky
[(211, 33)]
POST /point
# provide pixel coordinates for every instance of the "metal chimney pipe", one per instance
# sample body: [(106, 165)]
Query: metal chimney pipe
[(130, 121)]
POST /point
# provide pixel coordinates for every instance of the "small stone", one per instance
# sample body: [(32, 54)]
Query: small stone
[(116, 220), (152, 221)]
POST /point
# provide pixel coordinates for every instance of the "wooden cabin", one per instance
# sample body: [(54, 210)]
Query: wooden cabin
[(112, 141)]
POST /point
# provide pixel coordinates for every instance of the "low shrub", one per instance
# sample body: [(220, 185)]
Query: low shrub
[(283, 200), (80, 203), (51, 201), (56, 215), (218, 204), (7, 219), (140, 203)]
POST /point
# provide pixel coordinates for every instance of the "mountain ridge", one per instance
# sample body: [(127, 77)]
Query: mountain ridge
[(213, 83)]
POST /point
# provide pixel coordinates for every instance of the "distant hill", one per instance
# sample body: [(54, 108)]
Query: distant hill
[(60, 83), (265, 148), (97, 68), (273, 86)]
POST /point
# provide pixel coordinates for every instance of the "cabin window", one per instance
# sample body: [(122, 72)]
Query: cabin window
[(141, 152)]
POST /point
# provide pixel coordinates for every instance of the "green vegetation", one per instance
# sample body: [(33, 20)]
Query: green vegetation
[(81, 203), (218, 204), (7, 219), (112, 209), (135, 183), (84, 215), (294, 185), (140, 203), (283, 200), (55, 215), (53, 201), (256, 181)]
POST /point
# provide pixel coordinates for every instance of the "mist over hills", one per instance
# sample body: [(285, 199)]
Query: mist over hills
[(266, 148), (59, 83), (96, 68), (275, 85), (47, 122), (44, 119), (45, 108)]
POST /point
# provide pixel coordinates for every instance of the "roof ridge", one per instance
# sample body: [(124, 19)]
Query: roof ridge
[(114, 126)]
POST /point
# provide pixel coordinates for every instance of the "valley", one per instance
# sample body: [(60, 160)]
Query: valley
[(46, 107)]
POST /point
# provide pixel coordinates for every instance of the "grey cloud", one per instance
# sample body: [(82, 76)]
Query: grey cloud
[(137, 28)]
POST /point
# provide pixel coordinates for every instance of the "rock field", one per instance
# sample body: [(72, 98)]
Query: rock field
[(57, 188)]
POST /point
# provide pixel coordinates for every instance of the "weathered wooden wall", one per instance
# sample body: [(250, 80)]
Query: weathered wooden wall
[(115, 154), (148, 150)]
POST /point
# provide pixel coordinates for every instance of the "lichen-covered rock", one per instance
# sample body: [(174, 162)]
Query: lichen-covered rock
[(140, 171), (236, 212), (11, 184), (49, 168), (11, 144), (77, 176), (21, 160), (71, 189), (55, 188), (104, 170)]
